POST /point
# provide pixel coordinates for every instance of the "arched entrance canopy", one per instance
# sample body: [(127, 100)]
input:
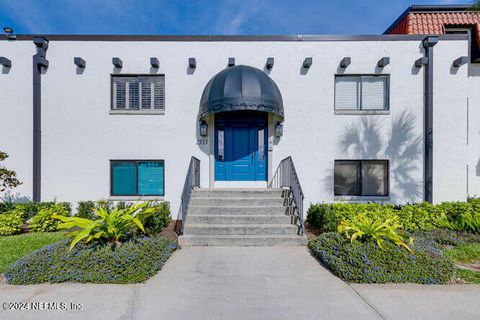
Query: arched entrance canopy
[(241, 88)]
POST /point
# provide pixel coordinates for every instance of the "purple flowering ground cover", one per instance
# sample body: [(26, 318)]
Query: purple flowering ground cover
[(359, 262), (134, 261)]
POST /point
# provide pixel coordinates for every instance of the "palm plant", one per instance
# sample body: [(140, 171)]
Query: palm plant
[(113, 225), (363, 228), (467, 221)]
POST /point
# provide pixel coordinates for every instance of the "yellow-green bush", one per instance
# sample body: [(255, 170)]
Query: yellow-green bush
[(413, 217), (11, 222), (43, 221)]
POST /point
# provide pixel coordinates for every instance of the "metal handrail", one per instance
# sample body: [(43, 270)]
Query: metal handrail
[(286, 176), (191, 181)]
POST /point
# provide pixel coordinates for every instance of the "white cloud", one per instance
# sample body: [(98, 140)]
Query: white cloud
[(234, 15), (28, 16)]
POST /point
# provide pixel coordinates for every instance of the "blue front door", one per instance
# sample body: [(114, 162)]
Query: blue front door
[(240, 149)]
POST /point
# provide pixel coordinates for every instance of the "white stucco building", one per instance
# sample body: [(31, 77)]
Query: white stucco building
[(352, 110)]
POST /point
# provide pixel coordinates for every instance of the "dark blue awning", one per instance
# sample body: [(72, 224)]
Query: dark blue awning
[(241, 88)]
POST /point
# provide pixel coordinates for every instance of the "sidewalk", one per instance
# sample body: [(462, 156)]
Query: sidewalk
[(246, 283)]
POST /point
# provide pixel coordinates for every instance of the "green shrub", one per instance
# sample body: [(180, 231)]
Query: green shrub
[(113, 225), (85, 209), (367, 263), (367, 229), (156, 220), (461, 216), (11, 222), (6, 206), (43, 221), (32, 208), (422, 216), (327, 217), (133, 261)]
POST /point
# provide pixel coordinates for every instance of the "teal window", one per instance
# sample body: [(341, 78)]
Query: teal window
[(137, 177)]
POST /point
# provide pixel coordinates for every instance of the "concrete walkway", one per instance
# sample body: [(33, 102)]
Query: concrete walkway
[(246, 283)]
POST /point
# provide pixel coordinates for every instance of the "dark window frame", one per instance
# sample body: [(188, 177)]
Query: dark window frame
[(140, 109), (360, 177), (112, 162), (386, 93), (474, 46)]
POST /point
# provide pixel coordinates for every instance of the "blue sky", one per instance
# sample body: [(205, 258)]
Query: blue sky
[(203, 16)]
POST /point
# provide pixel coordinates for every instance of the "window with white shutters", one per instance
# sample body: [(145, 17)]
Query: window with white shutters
[(362, 92), (141, 92)]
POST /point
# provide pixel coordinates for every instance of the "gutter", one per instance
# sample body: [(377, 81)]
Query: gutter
[(428, 43), (39, 63)]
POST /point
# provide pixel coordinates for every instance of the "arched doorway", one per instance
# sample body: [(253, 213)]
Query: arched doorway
[(242, 103)]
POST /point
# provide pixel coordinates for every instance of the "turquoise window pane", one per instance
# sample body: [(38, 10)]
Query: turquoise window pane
[(124, 178), (150, 178)]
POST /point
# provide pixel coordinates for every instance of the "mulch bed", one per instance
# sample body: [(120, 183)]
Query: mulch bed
[(311, 232), (170, 231)]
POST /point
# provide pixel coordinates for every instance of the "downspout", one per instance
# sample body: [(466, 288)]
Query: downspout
[(428, 44), (39, 63)]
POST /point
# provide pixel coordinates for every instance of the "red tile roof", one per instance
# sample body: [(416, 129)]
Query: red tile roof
[(435, 23)]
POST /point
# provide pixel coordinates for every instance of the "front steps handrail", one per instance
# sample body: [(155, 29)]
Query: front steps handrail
[(192, 180), (286, 176)]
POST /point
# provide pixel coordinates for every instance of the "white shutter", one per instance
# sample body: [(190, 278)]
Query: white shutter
[(374, 93), (147, 83), (119, 87), (159, 93), (133, 93), (346, 93)]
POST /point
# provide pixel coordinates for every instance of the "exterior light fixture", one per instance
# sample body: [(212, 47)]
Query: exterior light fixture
[(79, 62), (192, 63), (269, 64), (203, 129), (279, 130), (231, 62), (421, 62), (154, 62), (346, 61), (117, 62), (383, 62), (460, 61), (5, 62), (307, 63), (9, 33)]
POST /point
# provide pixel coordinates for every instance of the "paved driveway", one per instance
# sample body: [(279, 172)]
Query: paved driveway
[(246, 283)]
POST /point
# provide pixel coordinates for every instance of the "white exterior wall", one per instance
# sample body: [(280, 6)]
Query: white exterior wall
[(473, 148), (450, 93), (16, 113), (80, 136)]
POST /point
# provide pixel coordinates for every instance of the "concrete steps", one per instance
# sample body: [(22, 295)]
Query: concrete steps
[(240, 217), (243, 240), (247, 202)]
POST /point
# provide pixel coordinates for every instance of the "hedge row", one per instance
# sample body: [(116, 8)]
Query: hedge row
[(133, 261), (368, 263), (38, 216), (413, 217)]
